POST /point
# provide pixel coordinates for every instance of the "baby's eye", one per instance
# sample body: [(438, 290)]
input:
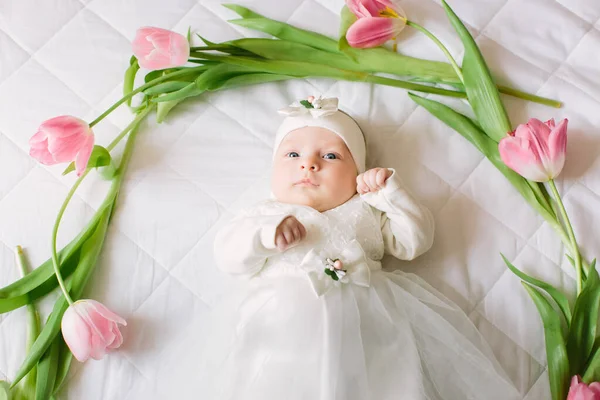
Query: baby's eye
[(293, 154), (330, 156)]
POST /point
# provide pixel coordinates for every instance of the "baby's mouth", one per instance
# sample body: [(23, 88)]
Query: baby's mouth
[(305, 182)]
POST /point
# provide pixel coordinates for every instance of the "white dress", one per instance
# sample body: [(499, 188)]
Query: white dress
[(290, 331)]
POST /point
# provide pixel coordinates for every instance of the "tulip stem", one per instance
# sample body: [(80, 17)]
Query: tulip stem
[(381, 80), (440, 45), (144, 87), (129, 127), (119, 177), (567, 222), (529, 97), (55, 232)]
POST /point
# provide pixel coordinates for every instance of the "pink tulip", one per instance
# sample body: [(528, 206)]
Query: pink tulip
[(90, 329), (157, 48), (536, 150), (581, 391), (63, 139), (378, 21)]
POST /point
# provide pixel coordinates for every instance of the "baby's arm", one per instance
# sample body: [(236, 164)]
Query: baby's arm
[(243, 245), (407, 226)]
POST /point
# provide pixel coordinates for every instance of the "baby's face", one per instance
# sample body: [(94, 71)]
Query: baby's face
[(313, 167)]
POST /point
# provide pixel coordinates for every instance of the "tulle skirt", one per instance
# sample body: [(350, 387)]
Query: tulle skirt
[(400, 339)]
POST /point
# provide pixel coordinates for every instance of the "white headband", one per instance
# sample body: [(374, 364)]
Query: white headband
[(324, 113)]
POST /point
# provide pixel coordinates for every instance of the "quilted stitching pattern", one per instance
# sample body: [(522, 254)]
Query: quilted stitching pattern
[(190, 174)]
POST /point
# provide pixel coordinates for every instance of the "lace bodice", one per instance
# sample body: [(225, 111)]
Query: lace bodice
[(329, 232)]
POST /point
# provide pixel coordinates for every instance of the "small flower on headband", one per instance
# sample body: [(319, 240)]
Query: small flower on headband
[(317, 107)]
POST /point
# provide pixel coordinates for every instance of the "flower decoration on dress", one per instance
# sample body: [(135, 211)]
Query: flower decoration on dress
[(352, 259), (333, 268), (316, 107)]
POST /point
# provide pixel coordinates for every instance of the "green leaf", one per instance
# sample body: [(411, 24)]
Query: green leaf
[(189, 35), (242, 11), (12, 303), (189, 90), (556, 351), (4, 391), (47, 367), (206, 41), (292, 68), (252, 79), (100, 157), (64, 362), (45, 272), (89, 255), (582, 334), (487, 146), (481, 89), (303, 70), (285, 31), (152, 75), (592, 371), (217, 75), (585, 271), (163, 109), (285, 50), (165, 87), (560, 299), (306, 104), (28, 386), (369, 60), (130, 77), (347, 19), (332, 274)]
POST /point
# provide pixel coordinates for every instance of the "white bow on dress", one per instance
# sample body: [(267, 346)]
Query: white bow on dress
[(354, 263)]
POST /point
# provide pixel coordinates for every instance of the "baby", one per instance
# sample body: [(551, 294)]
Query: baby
[(316, 317)]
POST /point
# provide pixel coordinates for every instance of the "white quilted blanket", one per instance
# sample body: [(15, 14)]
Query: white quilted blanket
[(189, 174)]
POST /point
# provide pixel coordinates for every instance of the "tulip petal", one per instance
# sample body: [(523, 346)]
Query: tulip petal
[(557, 142), (63, 126), (180, 49), (39, 137), (88, 315), (65, 149), (106, 313), (118, 338), (40, 152), (141, 46), (521, 156), (580, 391), (392, 4), (97, 348), (76, 334), (364, 8), (81, 161), (157, 48), (540, 129), (372, 32)]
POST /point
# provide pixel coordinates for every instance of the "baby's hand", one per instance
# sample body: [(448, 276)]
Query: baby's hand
[(372, 180), (289, 232)]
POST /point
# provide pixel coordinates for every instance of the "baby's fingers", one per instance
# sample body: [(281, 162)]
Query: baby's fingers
[(370, 180), (297, 234), (289, 235), (380, 177), (280, 242), (361, 186), (302, 230)]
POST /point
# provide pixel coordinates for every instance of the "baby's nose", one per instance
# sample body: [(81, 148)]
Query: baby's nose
[(312, 165)]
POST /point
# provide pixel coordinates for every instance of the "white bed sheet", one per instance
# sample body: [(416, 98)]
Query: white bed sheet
[(191, 173)]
